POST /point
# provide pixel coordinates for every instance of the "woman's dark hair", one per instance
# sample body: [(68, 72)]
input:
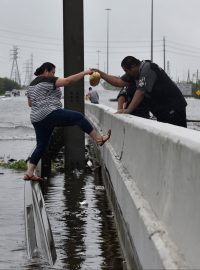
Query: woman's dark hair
[(129, 61), (45, 66)]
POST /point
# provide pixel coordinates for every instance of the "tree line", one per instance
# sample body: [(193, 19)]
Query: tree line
[(7, 85)]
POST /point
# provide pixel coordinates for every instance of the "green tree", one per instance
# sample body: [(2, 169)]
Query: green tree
[(1, 86), (8, 85)]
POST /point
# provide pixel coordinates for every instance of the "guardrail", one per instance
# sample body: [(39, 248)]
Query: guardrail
[(154, 170), (38, 233)]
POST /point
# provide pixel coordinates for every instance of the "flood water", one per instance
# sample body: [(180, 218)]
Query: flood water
[(81, 220)]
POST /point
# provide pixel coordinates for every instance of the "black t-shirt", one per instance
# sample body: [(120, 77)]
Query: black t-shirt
[(128, 93)]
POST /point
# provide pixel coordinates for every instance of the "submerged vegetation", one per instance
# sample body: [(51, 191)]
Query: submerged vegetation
[(17, 165)]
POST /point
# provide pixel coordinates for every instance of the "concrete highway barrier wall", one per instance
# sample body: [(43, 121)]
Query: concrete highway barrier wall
[(155, 173)]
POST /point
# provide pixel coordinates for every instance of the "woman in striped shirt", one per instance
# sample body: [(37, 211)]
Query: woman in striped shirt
[(44, 96)]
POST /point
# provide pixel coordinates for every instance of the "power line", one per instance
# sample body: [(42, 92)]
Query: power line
[(60, 38), (30, 47), (56, 44), (179, 53), (26, 34), (124, 47), (32, 41), (122, 52), (182, 49), (123, 41), (183, 45)]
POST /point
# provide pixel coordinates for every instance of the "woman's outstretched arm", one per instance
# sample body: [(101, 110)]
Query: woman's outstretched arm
[(72, 79)]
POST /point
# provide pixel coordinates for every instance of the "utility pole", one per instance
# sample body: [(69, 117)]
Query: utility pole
[(164, 52), (14, 75), (108, 10), (73, 33), (98, 52), (152, 30), (168, 68)]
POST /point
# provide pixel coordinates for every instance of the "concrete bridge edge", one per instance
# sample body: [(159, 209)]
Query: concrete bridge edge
[(143, 236)]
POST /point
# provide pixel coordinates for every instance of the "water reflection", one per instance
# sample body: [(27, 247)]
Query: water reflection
[(75, 220), (83, 226), (81, 221), (110, 249)]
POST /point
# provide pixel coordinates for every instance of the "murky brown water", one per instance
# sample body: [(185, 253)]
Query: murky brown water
[(82, 224), (81, 220)]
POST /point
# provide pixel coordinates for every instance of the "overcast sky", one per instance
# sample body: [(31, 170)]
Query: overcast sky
[(35, 27)]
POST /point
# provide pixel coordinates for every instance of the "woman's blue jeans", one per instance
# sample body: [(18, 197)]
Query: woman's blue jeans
[(57, 118)]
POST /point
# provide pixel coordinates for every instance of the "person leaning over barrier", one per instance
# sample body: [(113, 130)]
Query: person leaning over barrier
[(124, 98), (160, 94), (44, 96)]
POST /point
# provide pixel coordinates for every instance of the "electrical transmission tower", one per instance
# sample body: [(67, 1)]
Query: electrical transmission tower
[(28, 71), (14, 75), (31, 69), (188, 77)]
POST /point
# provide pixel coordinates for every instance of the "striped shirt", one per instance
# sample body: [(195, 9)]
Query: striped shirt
[(44, 97)]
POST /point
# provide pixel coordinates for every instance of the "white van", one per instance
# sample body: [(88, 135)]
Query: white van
[(7, 94)]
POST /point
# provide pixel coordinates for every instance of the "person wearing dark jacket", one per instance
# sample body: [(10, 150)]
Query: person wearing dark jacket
[(124, 98), (160, 94)]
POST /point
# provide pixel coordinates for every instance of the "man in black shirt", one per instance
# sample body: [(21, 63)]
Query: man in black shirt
[(124, 99), (153, 86)]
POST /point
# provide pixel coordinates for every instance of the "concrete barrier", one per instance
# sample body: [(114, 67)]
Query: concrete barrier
[(155, 173)]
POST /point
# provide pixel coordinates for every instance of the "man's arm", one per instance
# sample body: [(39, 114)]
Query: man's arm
[(121, 103), (113, 80), (136, 100)]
